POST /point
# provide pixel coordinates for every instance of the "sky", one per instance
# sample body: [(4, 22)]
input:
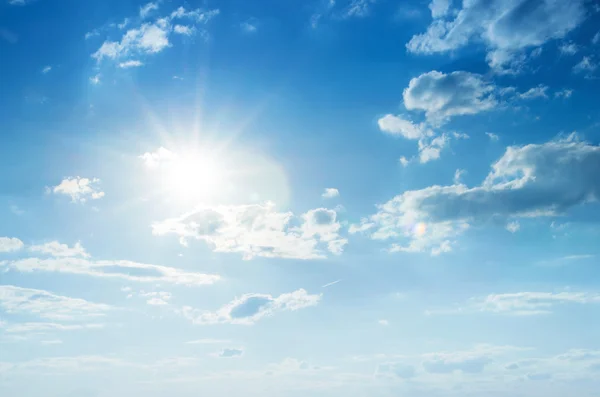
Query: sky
[(338, 198)]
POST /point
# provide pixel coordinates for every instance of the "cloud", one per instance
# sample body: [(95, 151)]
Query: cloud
[(358, 8), (439, 8), (522, 303), (10, 244), (248, 27), (330, 192), (56, 249), (130, 64), (492, 136), (207, 341), (568, 48), (228, 353), (250, 308), (122, 269), (331, 283), (46, 69), (152, 37), (596, 38), (158, 157), (513, 227), (258, 230), (566, 93), (79, 189), (587, 64), (507, 28), (442, 96), (95, 80), (47, 305), (147, 9), (184, 30), (49, 327), (458, 175), (398, 126), (383, 322), (534, 180), (535, 92), (403, 161), (157, 298)]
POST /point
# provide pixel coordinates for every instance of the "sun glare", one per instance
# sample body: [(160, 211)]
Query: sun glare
[(192, 175)]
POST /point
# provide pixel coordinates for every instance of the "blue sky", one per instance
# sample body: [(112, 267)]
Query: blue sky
[(291, 198)]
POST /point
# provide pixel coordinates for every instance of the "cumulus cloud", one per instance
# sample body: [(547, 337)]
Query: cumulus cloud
[(566, 93), (259, 230), (10, 244), (587, 65), (568, 48), (46, 69), (358, 8), (79, 189), (130, 64), (119, 269), (399, 126), (47, 305), (152, 37), (56, 249), (527, 181), (507, 28), (492, 136), (330, 192), (513, 227), (250, 308), (442, 96)]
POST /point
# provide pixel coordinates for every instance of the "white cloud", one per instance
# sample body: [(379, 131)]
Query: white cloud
[(46, 69), (358, 8), (258, 230), (330, 192), (46, 304), (49, 327), (398, 370), (248, 27), (157, 298), (533, 180), (587, 64), (529, 303), (566, 93), (121, 269), (95, 80), (596, 38), (442, 96), (492, 136), (398, 126), (10, 244), (383, 322), (404, 161), (147, 9), (250, 308), (152, 37), (158, 157), (439, 8), (535, 92), (79, 189), (56, 249), (458, 175), (184, 30), (91, 34), (568, 48), (507, 28), (130, 64), (431, 150), (513, 227)]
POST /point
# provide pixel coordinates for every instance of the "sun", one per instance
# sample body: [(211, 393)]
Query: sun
[(191, 175)]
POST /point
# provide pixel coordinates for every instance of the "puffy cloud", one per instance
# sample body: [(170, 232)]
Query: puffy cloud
[(46, 70), (358, 8), (492, 136), (568, 48), (507, 28), (95, 80), (431, 150), (442, 96), (10, 244), (458, 175), (535, 92), (56, 249), (79, 189), (596, 38), (248, 27), (258, 230), (157, 298), (527, 181), (47, 305), (126, 270), (330, 192), (397, 125), (439, 8), (158, 157), (152, 37), (566, 93), (250, 308)]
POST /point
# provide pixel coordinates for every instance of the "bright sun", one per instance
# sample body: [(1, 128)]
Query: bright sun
[(191, 175)]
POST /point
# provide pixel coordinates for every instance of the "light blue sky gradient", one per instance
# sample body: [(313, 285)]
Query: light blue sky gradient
[(290, 198)]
